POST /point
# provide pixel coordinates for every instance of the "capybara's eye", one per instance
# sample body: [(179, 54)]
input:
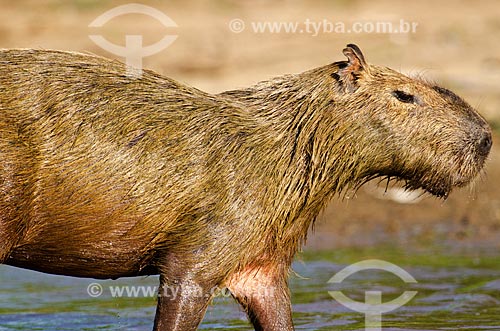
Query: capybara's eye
[(403, 96)]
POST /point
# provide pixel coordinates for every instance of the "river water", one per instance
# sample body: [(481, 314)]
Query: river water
[(454, 291)]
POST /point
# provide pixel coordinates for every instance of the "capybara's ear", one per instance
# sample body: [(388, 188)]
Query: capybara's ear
[(354, 55), (355, 67)]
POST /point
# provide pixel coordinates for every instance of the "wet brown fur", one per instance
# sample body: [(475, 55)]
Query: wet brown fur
[(104, 175)]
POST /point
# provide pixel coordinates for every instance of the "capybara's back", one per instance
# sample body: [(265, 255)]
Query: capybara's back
[(107, 175)]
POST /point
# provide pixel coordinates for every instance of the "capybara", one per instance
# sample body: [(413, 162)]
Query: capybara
[(106, 175)]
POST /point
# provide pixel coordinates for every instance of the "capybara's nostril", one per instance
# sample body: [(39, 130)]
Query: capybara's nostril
[(485, 143)]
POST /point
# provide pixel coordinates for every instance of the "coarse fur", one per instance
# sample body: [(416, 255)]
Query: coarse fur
[(106, 175)]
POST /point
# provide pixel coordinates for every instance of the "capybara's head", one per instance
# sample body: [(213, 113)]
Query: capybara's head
[(411, 130)]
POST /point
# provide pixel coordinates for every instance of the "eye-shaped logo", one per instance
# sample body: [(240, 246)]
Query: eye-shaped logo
[(373, 308), (133, 51)]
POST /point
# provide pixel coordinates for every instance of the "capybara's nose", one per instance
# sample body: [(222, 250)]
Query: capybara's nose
[(484, 144)]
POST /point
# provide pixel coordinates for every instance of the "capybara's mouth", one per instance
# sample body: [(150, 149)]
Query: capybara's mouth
[(440, 190), (442, 177), (439, 187)]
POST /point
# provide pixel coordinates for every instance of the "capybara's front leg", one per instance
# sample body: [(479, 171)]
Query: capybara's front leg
[(181, 304), (264, 295)]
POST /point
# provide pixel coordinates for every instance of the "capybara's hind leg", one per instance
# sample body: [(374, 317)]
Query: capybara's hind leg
[(12, 227), (7, 238), (181, 304), (264, 296), (16, 166)]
